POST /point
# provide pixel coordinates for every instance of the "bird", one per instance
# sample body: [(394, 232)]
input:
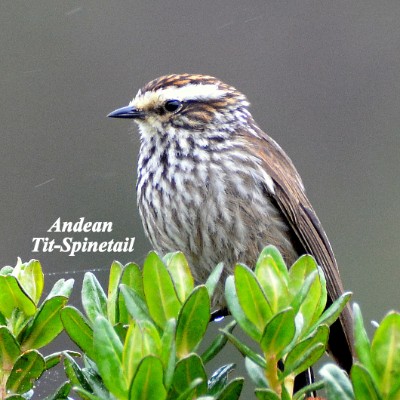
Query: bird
[(212, 184)]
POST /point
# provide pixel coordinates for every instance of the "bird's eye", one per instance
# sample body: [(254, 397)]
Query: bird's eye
[(172, 105)]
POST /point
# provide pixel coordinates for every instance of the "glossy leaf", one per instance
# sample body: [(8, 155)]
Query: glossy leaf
[(251, 297), (362, 343), (192, 321), (96, 382), (278, 333), (337, 383), (13, 296), (314, 303), (219, 378), (213, 279), (75, 374), (168, 351), (148, 380), (86, 395), (274, 282), (232, 390), (179, 270), (159, 290), (307, 352), (256, 373), (299, 271), (245, 350), (266, 394), (31, 278), (363, 383), (275, 254), (78, 329), (142, 339), (237, 311), (332, 313), (46, 324), (131, 277), (135, 305), (385, 351), (190, 392), (61, 288), (27, 368), (112, 292), (187, 370), (217, 344), (61, 393), (53, 359), (94, 300), (9, 349), (108, 350), (302, 294)]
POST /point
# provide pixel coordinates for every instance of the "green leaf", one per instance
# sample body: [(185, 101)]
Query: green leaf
[(385, 351), (9, 349), (245, 350), (362, 344), (219, 379), (274, 281), (159, 290), (331, 314), (112, 293), (303, 267), (302, 294), (307, 352), (13, 296), (236, 310), (232, 390), (192, 321), (108, 350), (182, 278), (213, 279), (31, 278), (217, 344), (278, 333), (86, 395), (275, 254), (148, 380), (190, 392), (256, 373), (46, 324), (363, 383), (251, 297), (131, 277), (78, 329), (94, 300), (142, 339), (75, 374), (61, 288), (266, 394), (314, 303), (53, 359), (187, 370), (168, 351), (28, 367), (135, 305), (337, 383), (61, 393), (313, 387)]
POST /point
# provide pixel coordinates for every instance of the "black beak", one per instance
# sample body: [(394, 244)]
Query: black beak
[(126, 112)]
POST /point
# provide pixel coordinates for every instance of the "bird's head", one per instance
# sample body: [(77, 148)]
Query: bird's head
[(186, 102)]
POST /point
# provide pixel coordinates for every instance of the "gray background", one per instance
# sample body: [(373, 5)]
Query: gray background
[(323, 79)]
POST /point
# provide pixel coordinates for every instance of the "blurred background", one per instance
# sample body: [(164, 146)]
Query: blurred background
[(323, 80)]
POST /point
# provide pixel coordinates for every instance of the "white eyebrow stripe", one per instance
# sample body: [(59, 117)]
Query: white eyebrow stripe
[(193, 92)]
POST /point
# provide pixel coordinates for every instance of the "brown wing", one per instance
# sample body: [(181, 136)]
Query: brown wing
[(296, 208)]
